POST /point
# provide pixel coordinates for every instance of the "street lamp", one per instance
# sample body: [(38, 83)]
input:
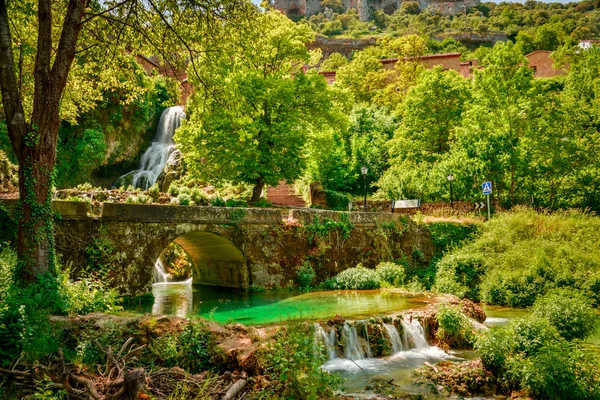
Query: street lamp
[(450, 179), (364, 171)]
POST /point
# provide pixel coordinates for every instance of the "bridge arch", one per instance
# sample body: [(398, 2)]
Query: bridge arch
[(216, 260)]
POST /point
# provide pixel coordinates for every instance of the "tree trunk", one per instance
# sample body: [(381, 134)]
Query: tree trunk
[(257, 191), (35, 143)]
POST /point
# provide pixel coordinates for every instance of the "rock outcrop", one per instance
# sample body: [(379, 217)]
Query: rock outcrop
[(172, 171), (296, 8)]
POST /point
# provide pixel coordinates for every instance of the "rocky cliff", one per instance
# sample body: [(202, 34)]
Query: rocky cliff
[(295, 8)]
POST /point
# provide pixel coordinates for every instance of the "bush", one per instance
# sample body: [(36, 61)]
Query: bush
[(459, 274), (522, 337), (87, 295), (154, 192), (561, 370), (235, 203), (305, 275), (295, 367), (184, 199), (454, 328), (336, 201), (217, 202), (173, 190), (569, 311), (199, 197), (522, 255), (357, 278), (197, 347), (390, 273)]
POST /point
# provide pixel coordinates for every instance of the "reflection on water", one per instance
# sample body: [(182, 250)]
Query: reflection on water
[(173, 298), (225, 305)]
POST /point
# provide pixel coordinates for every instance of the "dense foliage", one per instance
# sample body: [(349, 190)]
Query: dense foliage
[(530, 355), (536, 25), (295, 366), (522, 255), (255, 130)]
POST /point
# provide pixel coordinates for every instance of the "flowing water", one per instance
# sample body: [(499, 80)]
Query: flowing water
[(409, 351), (155, 157), (272, 307)]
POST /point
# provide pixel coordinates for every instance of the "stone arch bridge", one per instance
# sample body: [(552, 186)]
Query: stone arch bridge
[(232, 247)]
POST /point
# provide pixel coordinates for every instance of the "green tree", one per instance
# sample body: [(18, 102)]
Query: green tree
[(256, 129), (503, 111), (432, 110), (47, 36), (334, 62)]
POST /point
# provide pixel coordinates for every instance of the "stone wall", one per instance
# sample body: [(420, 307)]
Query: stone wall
[(234, 247)]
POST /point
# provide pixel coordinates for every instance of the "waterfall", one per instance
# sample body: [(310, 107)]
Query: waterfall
[(355, 344), (328, 339), (395, 339), (155, 158), (352, 347), (415, 335), (369, 354), (160, 276)]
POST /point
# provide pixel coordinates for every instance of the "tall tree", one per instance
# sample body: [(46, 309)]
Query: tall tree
[(255, 130), (33, 117)]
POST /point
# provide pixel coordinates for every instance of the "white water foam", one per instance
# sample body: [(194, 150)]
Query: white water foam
[(155, 157)]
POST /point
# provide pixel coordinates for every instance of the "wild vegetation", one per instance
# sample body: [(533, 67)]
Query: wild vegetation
[(78, 107), (536, 25), (522, 255)]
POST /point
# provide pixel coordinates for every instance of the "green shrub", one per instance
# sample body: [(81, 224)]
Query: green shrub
[(459, 274), (8, 226), (569, 311), (448, 235), (305, 275), (295, 367), (357, 278), (562, 371), (522, 337), (235, 203), (184, 199), (199, 197), (87, 295), (336, 201), (197, 347), (263, 203), (173, 190), (143, 199), (390, 273), (166, 349), (522, 255), (153, 192), (454, 328), (217, 202)]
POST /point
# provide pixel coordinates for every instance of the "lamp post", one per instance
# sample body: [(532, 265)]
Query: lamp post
[(364, 171), (450, 179)]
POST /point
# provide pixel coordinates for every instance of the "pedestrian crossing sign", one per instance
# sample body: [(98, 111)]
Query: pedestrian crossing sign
[(486, 187)]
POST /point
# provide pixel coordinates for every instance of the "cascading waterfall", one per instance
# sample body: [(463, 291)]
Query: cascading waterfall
[(355, 346), (155, 157), (160, 276), (415, 334), (352, 346), (326, 338), (394, 336)]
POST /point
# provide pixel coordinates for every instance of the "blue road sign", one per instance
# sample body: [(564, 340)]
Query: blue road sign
[(486, 187)]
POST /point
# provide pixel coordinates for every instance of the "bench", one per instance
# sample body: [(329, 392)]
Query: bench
[(406, 204)]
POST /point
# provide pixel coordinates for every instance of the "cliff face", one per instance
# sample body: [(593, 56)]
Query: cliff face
[(344, 46), (294, 8)]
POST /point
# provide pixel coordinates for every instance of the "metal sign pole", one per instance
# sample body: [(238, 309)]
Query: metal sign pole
[(488, 205)]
